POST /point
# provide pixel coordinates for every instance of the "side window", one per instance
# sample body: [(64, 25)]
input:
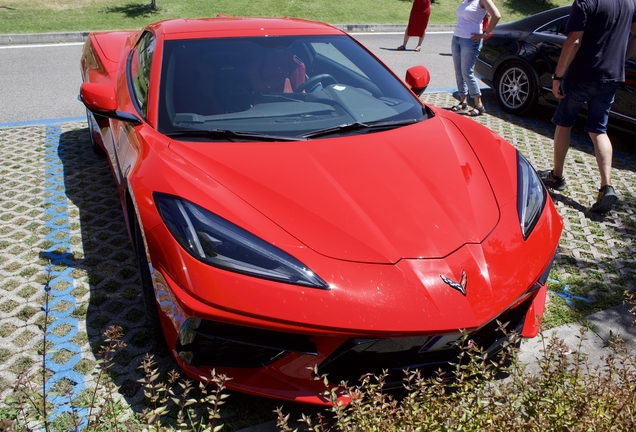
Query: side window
[(556, 27), (331, 52), (140, 62)]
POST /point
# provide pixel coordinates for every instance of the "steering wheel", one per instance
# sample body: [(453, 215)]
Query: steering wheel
[(324, 79)]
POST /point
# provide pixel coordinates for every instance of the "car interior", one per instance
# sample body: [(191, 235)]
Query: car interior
[(289, 85)]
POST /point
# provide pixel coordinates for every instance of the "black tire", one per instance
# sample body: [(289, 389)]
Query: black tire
[(93, 136), (516, 88), (147, 289)]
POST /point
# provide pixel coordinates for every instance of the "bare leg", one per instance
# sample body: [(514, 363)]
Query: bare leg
[(419, 42), (603, 152), (406, 39), (561, 146)]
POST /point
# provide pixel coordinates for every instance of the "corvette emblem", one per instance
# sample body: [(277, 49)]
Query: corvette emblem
[(459, 286)]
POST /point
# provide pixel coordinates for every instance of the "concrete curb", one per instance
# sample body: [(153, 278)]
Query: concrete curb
[(603, 326), (42, 38), (66, 37)]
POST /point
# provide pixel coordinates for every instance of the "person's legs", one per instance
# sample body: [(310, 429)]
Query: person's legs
[(564, 118), (603, 152), (456, 51), (470, 51), (561, 146), (554, 178), (599, 98), (419, 42), (406, 39), (606, 195), (596, 126), (426, 15)]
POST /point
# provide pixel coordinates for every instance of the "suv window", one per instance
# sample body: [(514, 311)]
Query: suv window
[(140, 62)]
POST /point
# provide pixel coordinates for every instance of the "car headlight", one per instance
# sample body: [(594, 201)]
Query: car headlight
[(219, 243), (531, 195)]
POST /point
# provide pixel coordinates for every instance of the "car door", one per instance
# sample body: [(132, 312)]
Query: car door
[(625, 102), (128, 140), (548, 39)]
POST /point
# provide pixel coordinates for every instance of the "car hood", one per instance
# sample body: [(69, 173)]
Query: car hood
[(418, 191)]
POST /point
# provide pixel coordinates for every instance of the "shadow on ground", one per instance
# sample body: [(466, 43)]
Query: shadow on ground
[(108, 265)]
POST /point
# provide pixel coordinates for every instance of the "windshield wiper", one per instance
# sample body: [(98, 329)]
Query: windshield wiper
[(229, 135), (359, 126)]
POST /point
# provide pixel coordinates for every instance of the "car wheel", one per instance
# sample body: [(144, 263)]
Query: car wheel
[(516, 88), (147, 288), (93, 135)]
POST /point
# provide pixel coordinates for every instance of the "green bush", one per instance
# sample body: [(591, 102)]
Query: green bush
[(495, 394), (480, 393)]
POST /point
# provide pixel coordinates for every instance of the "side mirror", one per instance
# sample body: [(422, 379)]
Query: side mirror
[(418, 78), (101, 100), (98, 97)]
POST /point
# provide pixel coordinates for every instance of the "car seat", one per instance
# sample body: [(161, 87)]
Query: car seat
[(281, 72)]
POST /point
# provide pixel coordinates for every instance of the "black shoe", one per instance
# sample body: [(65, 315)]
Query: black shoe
[(605, 200), (552, 181)]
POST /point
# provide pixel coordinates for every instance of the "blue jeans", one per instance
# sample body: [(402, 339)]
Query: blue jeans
[(599, 98), (465, 53)]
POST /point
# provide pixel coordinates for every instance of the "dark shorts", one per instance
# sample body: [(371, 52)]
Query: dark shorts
[(599, 98)]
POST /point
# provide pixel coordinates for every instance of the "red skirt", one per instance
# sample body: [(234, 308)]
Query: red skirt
[(418, 20)]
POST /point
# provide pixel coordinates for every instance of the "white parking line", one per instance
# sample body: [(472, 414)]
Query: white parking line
[(41, 45)]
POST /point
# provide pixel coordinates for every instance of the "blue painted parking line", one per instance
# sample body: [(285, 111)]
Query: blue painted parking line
[(59, 254), (567, 295), (45, 122)]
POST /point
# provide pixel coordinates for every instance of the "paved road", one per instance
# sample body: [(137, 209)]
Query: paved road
[(435, 55), (40, 82)]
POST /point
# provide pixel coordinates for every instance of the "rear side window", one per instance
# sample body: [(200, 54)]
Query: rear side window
[(556, 27), (140, 63)]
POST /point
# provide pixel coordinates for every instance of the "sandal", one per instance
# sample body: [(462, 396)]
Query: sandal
[(401, 48), (477, 111), (417, 49), (459, 107)]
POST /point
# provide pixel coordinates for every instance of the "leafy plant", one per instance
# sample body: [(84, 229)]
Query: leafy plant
[(494, 394), (198, 407)]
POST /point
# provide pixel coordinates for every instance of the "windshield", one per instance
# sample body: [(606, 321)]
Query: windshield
[(293, 86)]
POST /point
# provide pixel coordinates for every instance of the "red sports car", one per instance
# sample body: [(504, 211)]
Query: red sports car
[(293, 203)]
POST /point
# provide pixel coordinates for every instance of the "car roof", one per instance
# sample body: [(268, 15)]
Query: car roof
[(224, 26), (535, 21)]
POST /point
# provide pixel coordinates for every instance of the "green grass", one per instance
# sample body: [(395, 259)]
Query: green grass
[(42, 16)]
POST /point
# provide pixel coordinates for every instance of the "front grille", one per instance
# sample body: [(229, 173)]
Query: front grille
[(358, 357), (220, 344)]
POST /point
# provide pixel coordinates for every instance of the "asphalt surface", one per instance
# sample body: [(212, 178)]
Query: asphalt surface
[(60, 217)]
